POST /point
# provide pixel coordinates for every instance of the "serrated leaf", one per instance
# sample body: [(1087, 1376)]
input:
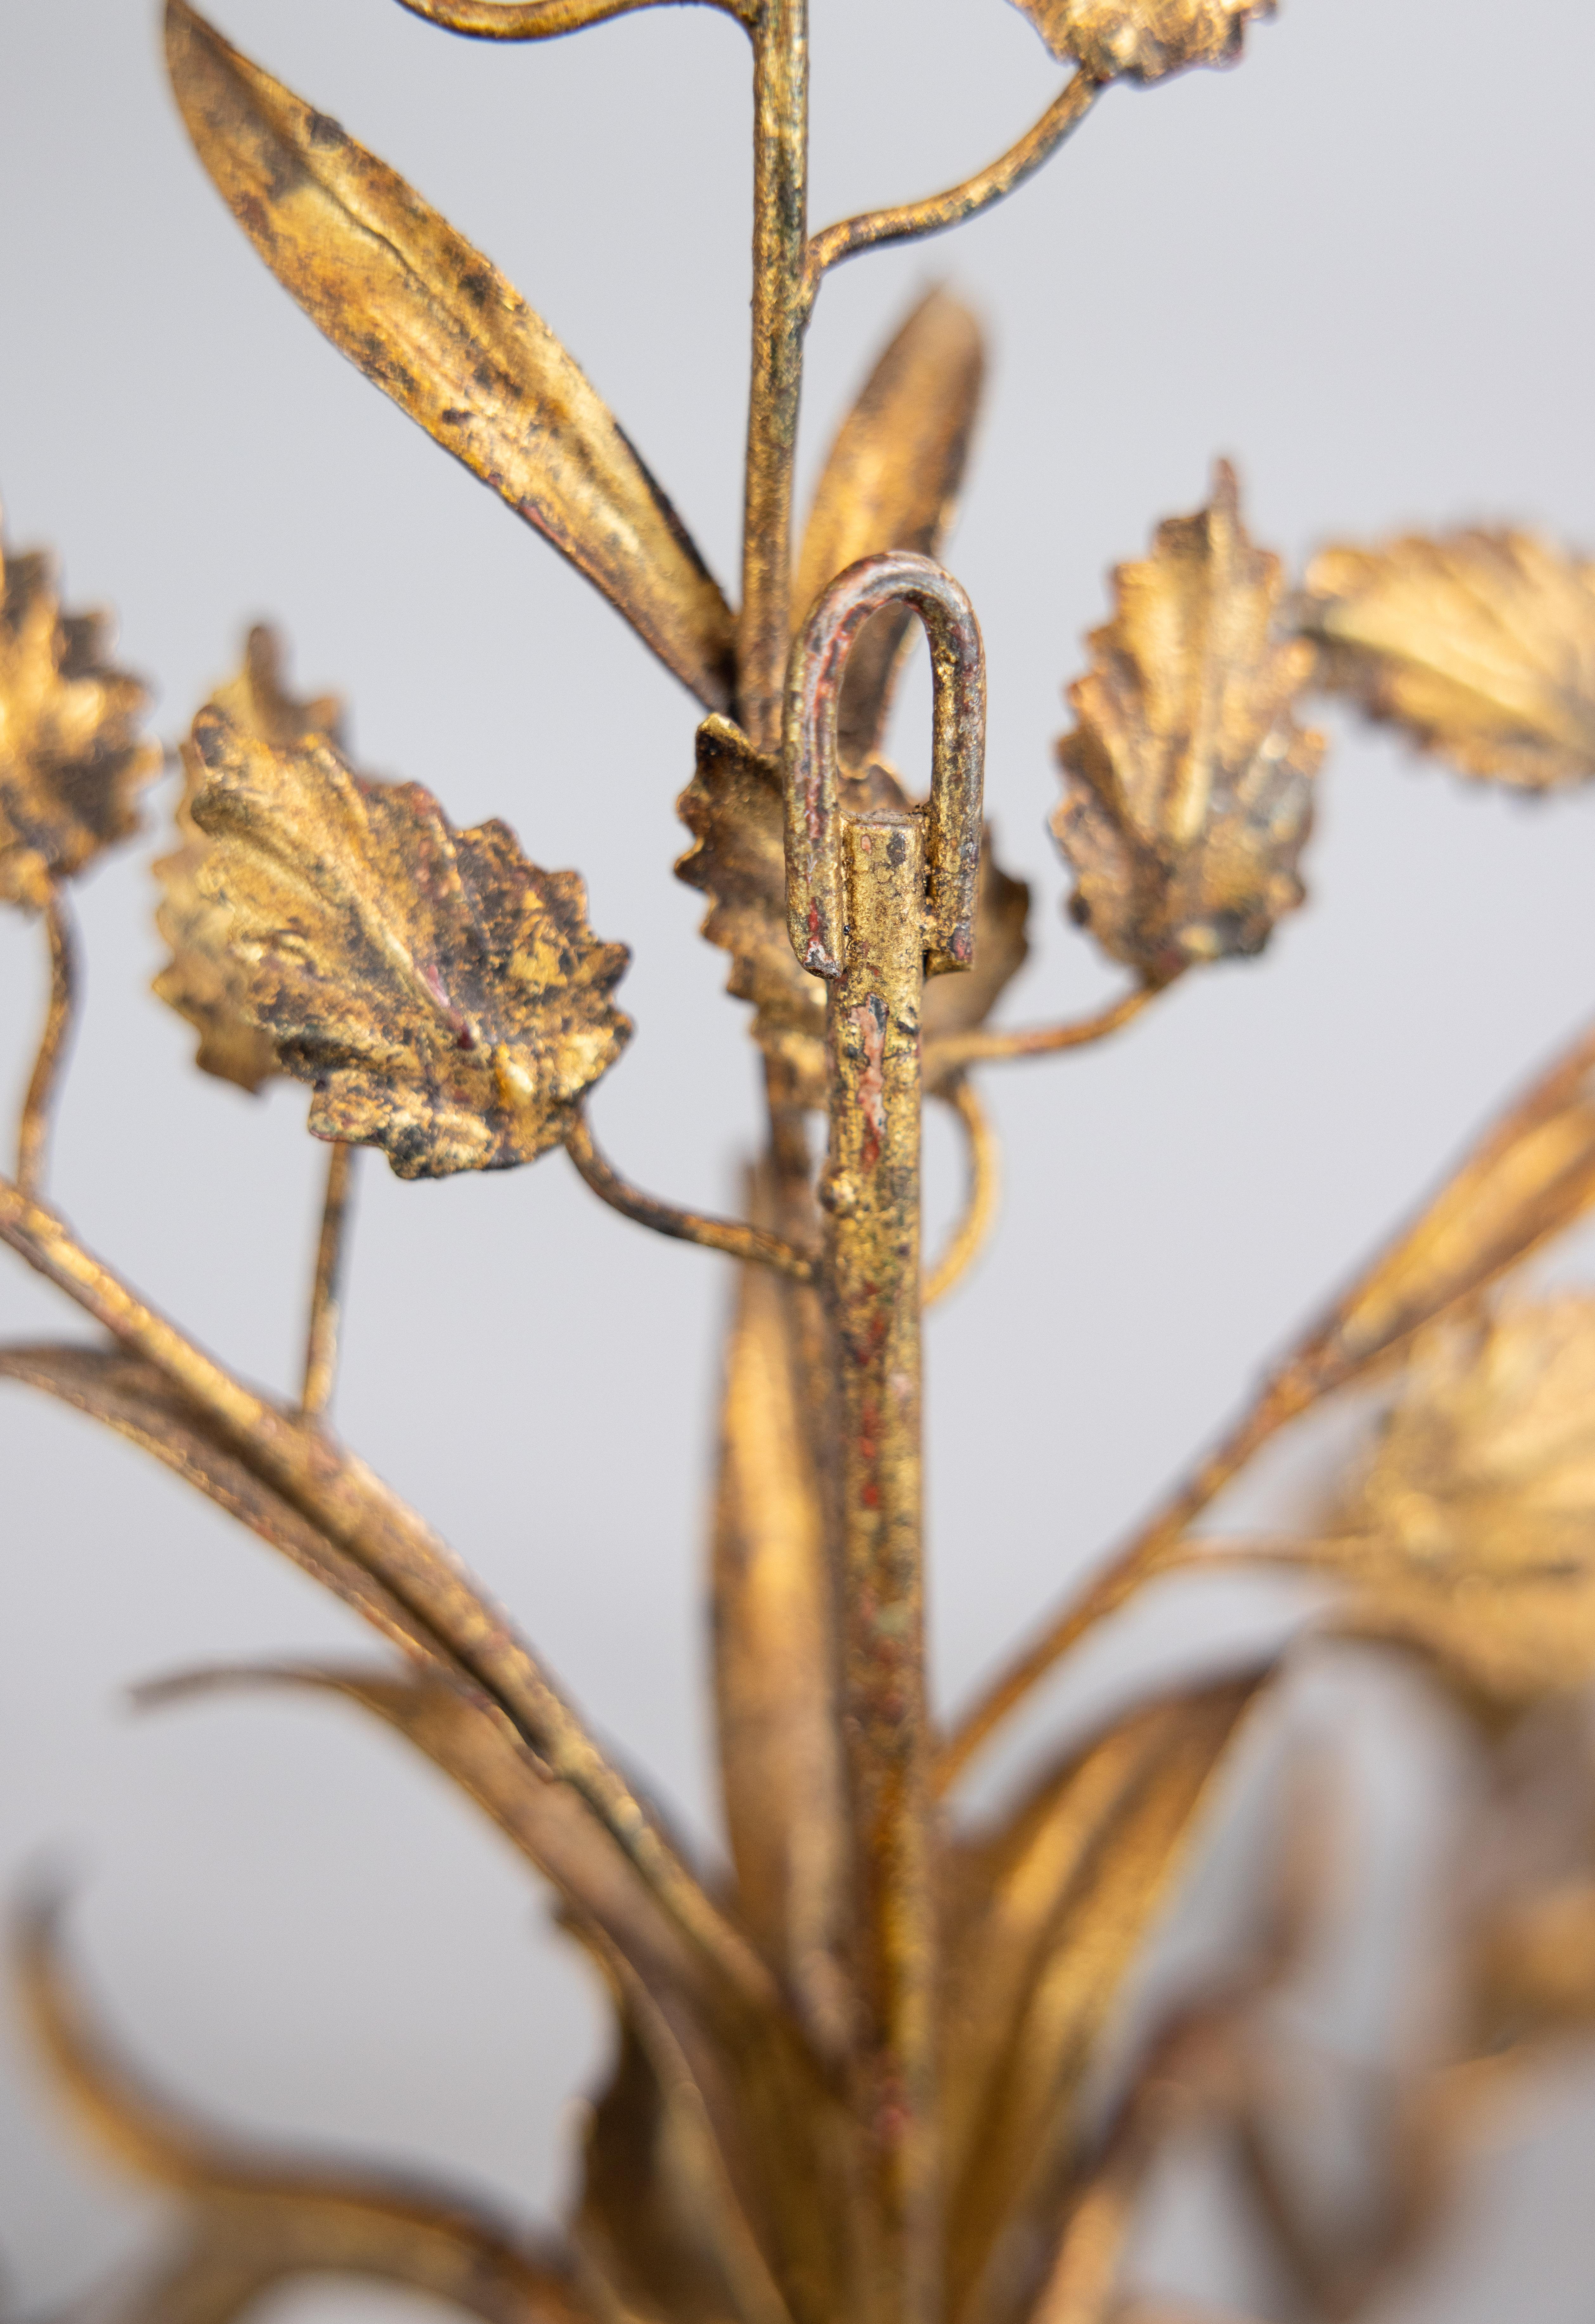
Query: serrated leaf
[(732, 807), (254, 2219), (1048, 1915), (1469, 1533), (1478, 646), (202, 981), (132, 1397), (445, 998), (1188, 784), (891, 481), (71, 763), (434, 324), (1142, 40)]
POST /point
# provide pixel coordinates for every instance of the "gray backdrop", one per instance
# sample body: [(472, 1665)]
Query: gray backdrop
[(1357, 264)]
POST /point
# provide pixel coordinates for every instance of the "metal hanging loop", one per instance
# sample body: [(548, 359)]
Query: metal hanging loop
[(815, 912)]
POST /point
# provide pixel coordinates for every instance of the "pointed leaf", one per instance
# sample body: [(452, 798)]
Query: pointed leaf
[(1048, 1917), (1529, 1178), (774, 1654), (444, 997), (732, 807), (254, 2219), (775, 2134), (139, 1403), (1188, 785), (437, 328), (892, 482), (71, 764), (1480, 647)]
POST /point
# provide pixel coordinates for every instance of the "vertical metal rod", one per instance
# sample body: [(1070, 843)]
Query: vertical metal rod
[(327, 1293), (780, 233), (874, 902), (33, 1143), (870, 1189)]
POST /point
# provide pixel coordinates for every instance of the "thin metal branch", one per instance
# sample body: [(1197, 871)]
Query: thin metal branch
[(911, 220), (1145, 1554), (33, 1144), (547, 19), (984, 1195), (985, 1047), (326, 1292), (685, 1226)]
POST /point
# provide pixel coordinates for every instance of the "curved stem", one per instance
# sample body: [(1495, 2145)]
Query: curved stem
[(985, 1047), (33, 1144), (685, 1226), (911, 220), (544, 20), (365, 1517), (326, 1292), (984, 1195)]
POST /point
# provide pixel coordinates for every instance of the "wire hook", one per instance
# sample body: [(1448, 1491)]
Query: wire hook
[(816, 908)]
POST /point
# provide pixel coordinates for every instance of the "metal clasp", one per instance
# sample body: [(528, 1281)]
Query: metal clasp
[(816, 903)]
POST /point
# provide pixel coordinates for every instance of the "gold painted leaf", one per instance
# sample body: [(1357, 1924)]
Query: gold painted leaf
[(1144, 39), (252, 2219), (891, 481), (202, 981), (1479, 646), (1529, 1178), (1047, 1916), (1188, 785), (780, 1757), (71, 763), (1471, 1533), (445, 998), (139, 1403), (732, 807), (439, 329)]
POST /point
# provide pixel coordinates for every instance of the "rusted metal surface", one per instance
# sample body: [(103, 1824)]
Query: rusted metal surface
[(860, 2075)]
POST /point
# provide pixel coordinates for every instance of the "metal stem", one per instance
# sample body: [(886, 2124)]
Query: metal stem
[(685, 1226), (327, 1292), (870, 1189), (780, 228), (33, 1143)]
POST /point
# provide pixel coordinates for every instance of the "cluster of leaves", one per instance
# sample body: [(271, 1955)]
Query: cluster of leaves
[(446, 1000)]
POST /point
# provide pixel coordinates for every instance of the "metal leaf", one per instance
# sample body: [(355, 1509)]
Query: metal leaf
[(1144, 39), (774, 1652), (1188, 785), (1479, 646), (1469, 1535), (71, 764), (734, 807), (134, 1400), (1047, 1916), (202, 981), (751, 2122), (437, 328), (1529, 1178), (253, 2219), (891, 481), (445, 998)]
